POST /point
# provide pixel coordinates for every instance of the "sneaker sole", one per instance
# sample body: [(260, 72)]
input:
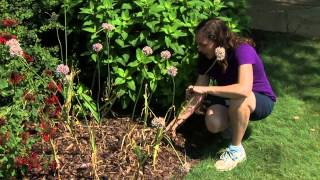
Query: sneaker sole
[(232, 167)]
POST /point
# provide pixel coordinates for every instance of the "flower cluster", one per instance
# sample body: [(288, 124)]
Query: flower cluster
[(29, 96), (15, 78), (220, 53), (32, 161), (147, 51), (62, 69), (158, 122), (14, 46), (97, 47), (172, 71), (107, 27), (165, 54), (9, 22), (47, 130), (55, 87)]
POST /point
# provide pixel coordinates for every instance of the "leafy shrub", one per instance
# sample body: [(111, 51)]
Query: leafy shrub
[(29, 88), (159, 24)]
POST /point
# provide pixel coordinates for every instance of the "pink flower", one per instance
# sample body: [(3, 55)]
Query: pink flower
[(62, 69), (15, 49), (12, 42), (172, 71), (97, 47), (107, 27), (147, 50), (165, 54)]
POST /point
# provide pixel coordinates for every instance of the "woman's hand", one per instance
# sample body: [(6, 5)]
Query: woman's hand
[(198, 89)]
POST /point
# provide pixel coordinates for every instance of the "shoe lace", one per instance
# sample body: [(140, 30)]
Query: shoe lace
[(228, 154)]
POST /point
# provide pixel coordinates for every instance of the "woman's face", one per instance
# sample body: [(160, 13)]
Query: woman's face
[(206, 47)]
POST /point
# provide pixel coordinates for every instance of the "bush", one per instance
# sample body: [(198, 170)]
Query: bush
[(29, 87), (159, 24)]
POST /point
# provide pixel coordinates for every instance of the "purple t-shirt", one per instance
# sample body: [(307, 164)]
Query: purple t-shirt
[(244, 54)]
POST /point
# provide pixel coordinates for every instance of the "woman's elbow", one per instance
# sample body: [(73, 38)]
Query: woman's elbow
[(245, 92)]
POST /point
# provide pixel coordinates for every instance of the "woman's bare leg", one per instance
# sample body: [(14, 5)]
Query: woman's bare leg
[(216, 118), (239, 113)]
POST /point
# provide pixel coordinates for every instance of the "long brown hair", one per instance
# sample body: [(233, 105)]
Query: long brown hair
[(217, 31)]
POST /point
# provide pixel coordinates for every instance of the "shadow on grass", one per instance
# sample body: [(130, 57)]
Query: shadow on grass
[(200, 143), (292, 63)]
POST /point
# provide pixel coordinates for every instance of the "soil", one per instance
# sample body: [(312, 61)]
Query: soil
[(124, 151)]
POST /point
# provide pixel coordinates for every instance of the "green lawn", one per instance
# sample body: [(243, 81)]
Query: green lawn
[(286, 145)]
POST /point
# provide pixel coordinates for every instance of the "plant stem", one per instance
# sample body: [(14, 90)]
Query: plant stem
[(60, 45), (136, 102), (65, 33)]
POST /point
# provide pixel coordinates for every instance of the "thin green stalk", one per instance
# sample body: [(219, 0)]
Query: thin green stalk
[(27, 66), (146, 106), (65, 33), (60, 44), (173, 91), (109, 73), (98, 94), (136, 101)]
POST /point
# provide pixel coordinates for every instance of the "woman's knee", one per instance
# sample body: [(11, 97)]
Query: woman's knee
[(216, 118), (242, 105)]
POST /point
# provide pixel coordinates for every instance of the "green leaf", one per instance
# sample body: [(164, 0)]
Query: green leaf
[(86, 11), (89, 29), (167, 41), (94, 57), (120, 72), (119, 81), (120, 92), (120, 42), (132, 96), (133, 64), (124, 35), (131, 85), (126, 6), (153, 85), (139, 54), (3, 84)]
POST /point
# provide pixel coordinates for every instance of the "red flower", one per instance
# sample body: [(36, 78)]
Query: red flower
[(27, 56), (57, 112), (9, 22), (53, 86), (28, 96), (3, 40), (47, 72), (53, 99), (53, 165), (2, 121), (15, 78), (46, 137), (20, 161)]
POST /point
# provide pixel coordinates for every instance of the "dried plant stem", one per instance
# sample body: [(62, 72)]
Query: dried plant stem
[(55, 154)]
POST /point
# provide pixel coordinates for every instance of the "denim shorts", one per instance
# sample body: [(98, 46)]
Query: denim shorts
[(264, 105)]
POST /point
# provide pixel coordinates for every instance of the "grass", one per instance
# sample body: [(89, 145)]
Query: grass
[(286, 145)]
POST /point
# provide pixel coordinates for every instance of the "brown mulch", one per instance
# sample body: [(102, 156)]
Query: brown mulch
[(120, 143)]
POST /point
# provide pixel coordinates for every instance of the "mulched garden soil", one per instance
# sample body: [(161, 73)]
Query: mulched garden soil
[(121, 144)]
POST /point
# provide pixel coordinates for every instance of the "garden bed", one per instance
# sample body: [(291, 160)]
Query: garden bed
[(117, 156)]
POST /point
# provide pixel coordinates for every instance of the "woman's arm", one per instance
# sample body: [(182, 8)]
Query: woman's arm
[(238, 90)]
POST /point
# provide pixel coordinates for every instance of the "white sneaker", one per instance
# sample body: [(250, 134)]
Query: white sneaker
[(230, 159)]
